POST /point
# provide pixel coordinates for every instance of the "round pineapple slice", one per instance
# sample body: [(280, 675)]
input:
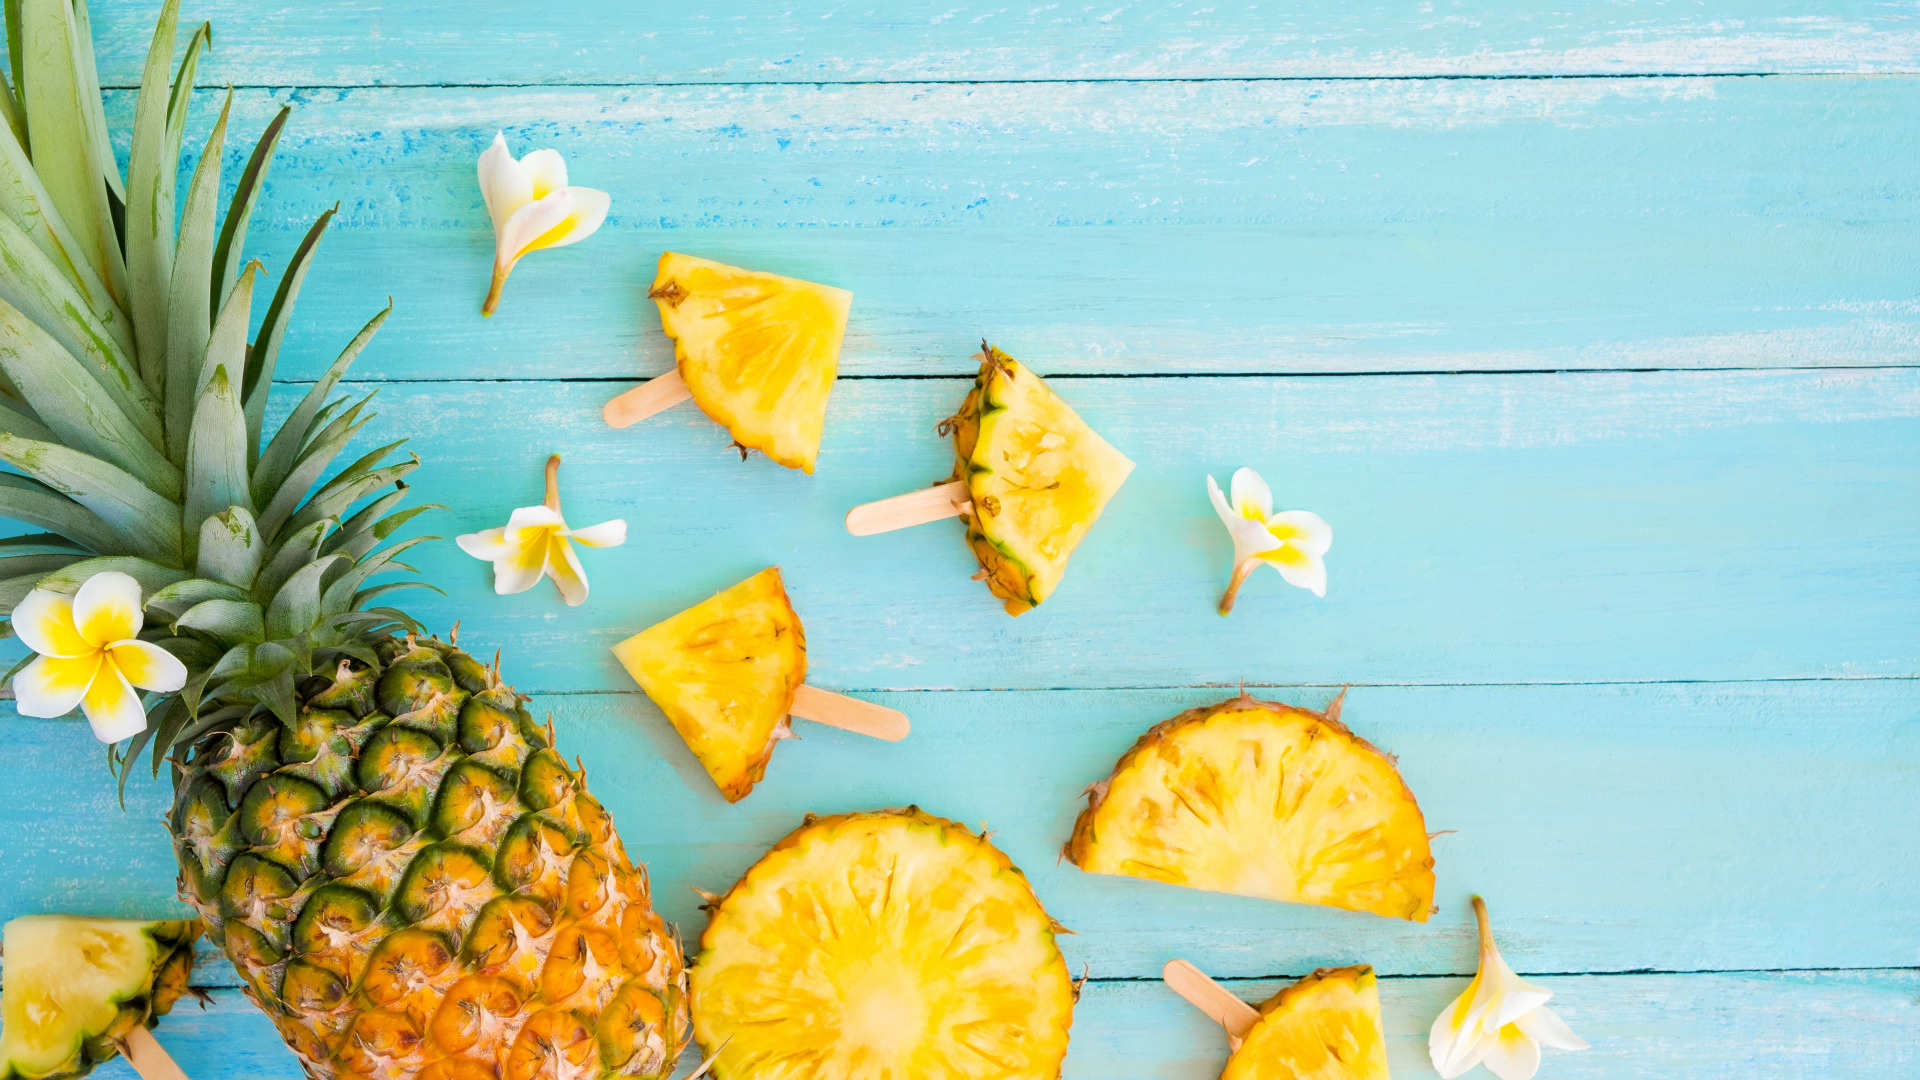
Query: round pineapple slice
[(758, 351), (892, 945), (75, 986), (1262, 799), (1324, 1027)]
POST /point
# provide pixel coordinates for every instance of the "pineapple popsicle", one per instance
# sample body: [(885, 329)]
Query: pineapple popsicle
[(1325, 1026), (1029, 480), (757, 352)]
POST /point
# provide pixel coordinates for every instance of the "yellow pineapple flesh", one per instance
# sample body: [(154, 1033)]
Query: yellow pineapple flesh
[(1324, 1027), (892, 945), (75, 986), (1262, 799), (725, 671), (1037, 477), (759, 351)]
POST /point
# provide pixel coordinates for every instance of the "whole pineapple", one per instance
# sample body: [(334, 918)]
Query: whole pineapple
[(409, 877)]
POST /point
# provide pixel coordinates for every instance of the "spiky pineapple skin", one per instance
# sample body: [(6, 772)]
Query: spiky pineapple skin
[(414, 884)]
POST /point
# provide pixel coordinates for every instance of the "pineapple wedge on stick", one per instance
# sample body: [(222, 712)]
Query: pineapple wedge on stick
[(1324, 1027), (410, 879), (1262, 799), (758, 352), (75, 987), (882, 946)]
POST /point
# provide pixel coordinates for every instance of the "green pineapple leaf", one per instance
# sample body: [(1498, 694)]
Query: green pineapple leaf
[(233, 233), (143, 522), (190, 290), (278, 459), (232, 548), (232, 622), (151, 575), (273, 330), (66, 131), (178, 598), (216, 454), (30, 501)]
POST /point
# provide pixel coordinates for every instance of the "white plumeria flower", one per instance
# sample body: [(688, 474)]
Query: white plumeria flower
[(1501, 1020), (91, 655), (1293, 542), (532, 208), (536, 543)]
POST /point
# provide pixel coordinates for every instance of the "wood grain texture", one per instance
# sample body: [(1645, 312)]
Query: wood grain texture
[(359, 42), (1783, 1026), (1393, 225), (1666, 827)]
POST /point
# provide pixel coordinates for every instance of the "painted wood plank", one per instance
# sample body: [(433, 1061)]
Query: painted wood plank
[(1812, 1025), (363, 42), (1514, 528), (1666, 827), (1123, 228)]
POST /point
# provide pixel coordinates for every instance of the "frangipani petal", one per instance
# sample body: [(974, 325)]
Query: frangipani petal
[(1303, 529), (44, 622), (1513, 1056), (107, 609), (488, 544), (547, 170), (1250, 538), (1300, 569), (604, 535), (528, 224), (1251, 496), (540, 516), (589, 210), (148, 666), (564, 567), (1544, 1026), (520, 568), (53, 685), (112, 707), (504, 185)]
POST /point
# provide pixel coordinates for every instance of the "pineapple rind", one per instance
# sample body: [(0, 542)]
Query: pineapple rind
[(765, 372), (725, 672), (874, 945), (58, 968), (1324, 1027), (1022, 538), (1262, 799)]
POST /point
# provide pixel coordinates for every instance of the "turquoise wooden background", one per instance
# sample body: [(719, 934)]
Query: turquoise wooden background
[(1592, 328)]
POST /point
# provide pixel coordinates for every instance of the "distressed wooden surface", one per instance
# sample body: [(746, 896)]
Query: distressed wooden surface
[(1605, 384)]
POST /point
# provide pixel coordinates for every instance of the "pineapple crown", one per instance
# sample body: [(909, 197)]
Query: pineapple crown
[(132, 403)]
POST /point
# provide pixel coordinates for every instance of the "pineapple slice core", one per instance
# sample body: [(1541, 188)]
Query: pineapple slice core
[(1324, 1027), (1038, 478), (66, 979), (1260, 799), (759, 351), (882, 946), (725, 671)]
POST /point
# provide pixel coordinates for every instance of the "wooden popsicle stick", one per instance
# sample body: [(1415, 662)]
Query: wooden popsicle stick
[(1211, 998), (145, 1054), (849, 714), (658, 393), (914, 508)]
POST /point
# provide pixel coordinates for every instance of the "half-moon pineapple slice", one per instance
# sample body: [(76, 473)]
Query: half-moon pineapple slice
[(1262, 799), (725, 671), (1324, 1027), (1037, 476), (75, 986), (758, 351), (892, 945)]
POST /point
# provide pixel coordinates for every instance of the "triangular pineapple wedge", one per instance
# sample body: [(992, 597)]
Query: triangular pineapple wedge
[(1324, 1027), (75, 987), (758, 351), (1037, 476), (725, 671), (1262, 799)]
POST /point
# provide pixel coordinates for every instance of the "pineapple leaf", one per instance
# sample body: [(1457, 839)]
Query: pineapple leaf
[(41, 565), (233, 233), (150, 185), (296, 607), (179, 597), (74, 406), (278, 459), (190, 289), (15, 589), (233, 622), (15, 422), (11, 112), (175, 718), (65, 127), (89, 77), (273, 330), (339, 595), (227, 343), (144, 523), (216, 455), (15, 61), (358, 546), (354, 483), (24, 199), (231, 548), (41, 544), (362, 522), (36, 504), (152, 576), (297, 550), (327, 445), (365, 595), (35, 284)]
